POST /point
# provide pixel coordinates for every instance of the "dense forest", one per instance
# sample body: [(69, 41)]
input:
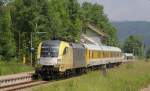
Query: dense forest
[(47, 19)]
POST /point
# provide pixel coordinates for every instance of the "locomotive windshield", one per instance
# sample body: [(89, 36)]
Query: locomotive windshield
[(49, 50)]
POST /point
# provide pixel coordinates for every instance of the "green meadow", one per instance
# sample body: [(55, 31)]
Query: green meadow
[(127, 77), (13, 67)]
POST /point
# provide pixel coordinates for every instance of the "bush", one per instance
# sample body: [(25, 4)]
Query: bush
[(148, 54)]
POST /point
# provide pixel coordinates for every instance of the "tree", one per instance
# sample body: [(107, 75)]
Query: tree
[(7, 43), (60, 19), (75, 26), (148, 53), (65, 20), (29, 17), (133, 44)]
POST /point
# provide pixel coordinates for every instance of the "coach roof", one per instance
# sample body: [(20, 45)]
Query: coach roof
[(102, 47)]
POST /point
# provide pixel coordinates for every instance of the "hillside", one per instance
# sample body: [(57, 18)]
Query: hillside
[(140, 28)]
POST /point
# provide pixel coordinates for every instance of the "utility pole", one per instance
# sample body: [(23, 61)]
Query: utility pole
[(31, 47), (31, 35), (19, 45)]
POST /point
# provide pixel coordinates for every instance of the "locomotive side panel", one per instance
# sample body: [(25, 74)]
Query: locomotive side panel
[(65, 57), (78, 56)]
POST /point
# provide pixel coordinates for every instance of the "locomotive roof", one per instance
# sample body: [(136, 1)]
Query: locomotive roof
[(102, 47), (51, 42), (77, 46)]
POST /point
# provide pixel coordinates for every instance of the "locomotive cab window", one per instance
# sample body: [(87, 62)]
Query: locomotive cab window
[(65, 51), (49, 50)]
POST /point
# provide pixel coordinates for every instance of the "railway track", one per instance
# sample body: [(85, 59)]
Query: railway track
[(21, 86), (18, 82)]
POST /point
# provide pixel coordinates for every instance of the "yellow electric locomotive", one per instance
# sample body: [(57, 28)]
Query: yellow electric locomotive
[(62, 58)]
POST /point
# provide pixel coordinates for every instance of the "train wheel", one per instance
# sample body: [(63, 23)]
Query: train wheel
[(35, 77), (46, 78), (55, 76), (67, 74)]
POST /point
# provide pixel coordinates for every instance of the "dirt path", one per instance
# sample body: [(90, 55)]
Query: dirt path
[(146, 89)]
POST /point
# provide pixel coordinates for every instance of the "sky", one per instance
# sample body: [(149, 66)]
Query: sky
[(125, 10)]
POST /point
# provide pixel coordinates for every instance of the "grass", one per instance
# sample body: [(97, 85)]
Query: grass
[(127, 77), (13, 67)]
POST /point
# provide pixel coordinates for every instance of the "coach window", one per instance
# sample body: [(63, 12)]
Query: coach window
[(99, 54), (108, 54), (104, 54), (116, 54), (96, 54), (113, 54), (92, 54), (89, 55), (119, 54)]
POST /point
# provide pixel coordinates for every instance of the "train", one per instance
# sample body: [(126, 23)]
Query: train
[(61, 58), (129, 56)]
